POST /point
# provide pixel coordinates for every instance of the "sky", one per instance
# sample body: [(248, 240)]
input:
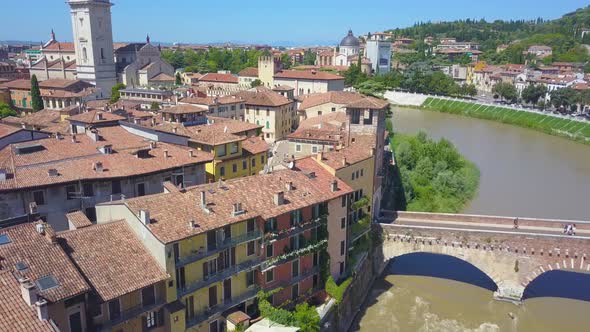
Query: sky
[(275, 22)]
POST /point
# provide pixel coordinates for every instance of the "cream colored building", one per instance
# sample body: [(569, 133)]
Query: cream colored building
[(276, 113), (317, 104)]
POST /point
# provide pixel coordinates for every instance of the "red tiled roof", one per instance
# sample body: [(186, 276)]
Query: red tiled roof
[(255, 145), (369, 103), (263, 96), (43, 118), (336, 97), (249, 72), (59, 46), (15, 314), (92, 117), (171, 212), (78, 219), (353, 153), (308, 75), (113, 259), (219, 78), (212, 101), (43, 258), (184, 109), (163, 77), (18, 85), (6, 130)]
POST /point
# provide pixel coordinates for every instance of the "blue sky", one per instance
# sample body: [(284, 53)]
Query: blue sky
[(305, 22)]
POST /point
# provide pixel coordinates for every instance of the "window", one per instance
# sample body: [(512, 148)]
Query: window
[(314, 149), (244, 164), (88, 189), (343, 223), (253, 162), (91, 213), (341, 248), (357, 174), (234, 168), (249, 278), (46, 283), (180, 278), (250, 226), (315, 211), (315, 259), (269, 250), (151, 320), (84, 52), (267, 125), (262, 159), (270, 275), (140, 189), (102, 53), (295, 292), (315, 281), (233, 148), (214, 326), (39, 197), (222, 171), (341, 267), (116, 187), (295, 268), (71, 192), (270, 225), (353, 176), (344, 201), (333, 109), (362, 172), (295, 217), (176, 250), (267, 113), (114, 309), (298, 147), (251, 248), (294, 242), (189, 307), (221, 151), (148, 296)]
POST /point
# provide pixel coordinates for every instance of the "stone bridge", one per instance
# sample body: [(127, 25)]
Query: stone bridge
[(511, 257)]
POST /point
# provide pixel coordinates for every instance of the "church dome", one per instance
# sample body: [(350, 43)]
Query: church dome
[(350, 40)]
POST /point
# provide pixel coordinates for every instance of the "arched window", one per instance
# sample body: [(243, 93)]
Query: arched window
[(102, 53), (267, 125), (84, 54)]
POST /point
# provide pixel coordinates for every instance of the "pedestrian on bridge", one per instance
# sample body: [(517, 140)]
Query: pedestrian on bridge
[(516, 223)]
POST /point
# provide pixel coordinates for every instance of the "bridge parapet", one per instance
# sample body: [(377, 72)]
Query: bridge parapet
[(511, 259)]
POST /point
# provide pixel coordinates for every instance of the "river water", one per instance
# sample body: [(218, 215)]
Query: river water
[(523, 173)]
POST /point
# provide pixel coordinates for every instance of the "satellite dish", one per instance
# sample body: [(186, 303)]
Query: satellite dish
[(291, 165)]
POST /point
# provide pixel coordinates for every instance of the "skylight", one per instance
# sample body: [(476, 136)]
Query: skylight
[(47, 282), (21, 266), (4, 239)]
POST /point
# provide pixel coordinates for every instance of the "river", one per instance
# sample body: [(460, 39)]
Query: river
[(523, 173)]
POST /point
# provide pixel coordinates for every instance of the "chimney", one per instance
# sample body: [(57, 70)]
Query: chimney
[(98, 167), (320, 156), (352, 140), (203, 199), (23, 125), (289, 186), (52, 172), (334, 186), (28, 291), (153, 145), (58, 136), (74, 138), (191, 153), (50, 234), (144, 216), (174, 130), (279, 198), (166, 155), (344, 161), (40, 227), (42, 313), (237, 209), (99, 116), (372, 151), (191, 224)]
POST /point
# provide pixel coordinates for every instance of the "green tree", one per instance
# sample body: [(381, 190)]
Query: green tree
[(532, 93), (309, 58), (154, 106), (256, 83), (115, 93), (307, 318), (469, 90), (6, 110), (563, 98), (36, 102), (285, 61), (178, 79), (506, 91)]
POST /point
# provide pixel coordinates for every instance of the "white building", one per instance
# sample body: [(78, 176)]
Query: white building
[(93, 43), (379, 53)]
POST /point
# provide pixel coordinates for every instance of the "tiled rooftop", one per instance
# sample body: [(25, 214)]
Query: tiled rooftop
[(184, 109), (358, 148), (219, 78), (6, 130), (112, 258), (171, 213), (335, 97), (78, 219), (212, 101), (249, 72), (41, 119), (42, 257), (263, 96), (255, 145), (74, 161), (307, 75), (95, 116)]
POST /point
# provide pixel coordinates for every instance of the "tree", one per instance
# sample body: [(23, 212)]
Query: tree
[(469, 90), (154, 106), (532, 93), (506, 91), (309, 58), (5, 110), (115, 93), (307, 318), (178, 79), (563, 98), (36, 102), (256, 83), (285, 61)]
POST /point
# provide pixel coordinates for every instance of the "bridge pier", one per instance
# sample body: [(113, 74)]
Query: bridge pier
[(510, 293)]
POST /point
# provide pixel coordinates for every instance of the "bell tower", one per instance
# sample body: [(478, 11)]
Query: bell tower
[(93, 41)]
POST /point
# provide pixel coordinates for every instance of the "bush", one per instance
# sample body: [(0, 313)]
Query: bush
[(337, 291)]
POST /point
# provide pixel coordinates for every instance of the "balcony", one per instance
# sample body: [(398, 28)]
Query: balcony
[(302, 276), (310, 248), (220, 245), (130, 314), (221, 307), (219, 276), (296, 229)]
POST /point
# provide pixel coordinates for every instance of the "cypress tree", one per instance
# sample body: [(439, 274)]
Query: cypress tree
[(178, 80), (36, 101)]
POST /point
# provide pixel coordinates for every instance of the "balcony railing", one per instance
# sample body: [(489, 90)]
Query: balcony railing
[(296, 229), (220, 245), (131, 313), (221, 307), (275, 261), (219, 276), (302, 276)]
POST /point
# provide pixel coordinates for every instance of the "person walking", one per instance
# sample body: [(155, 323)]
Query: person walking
[(516, 223)]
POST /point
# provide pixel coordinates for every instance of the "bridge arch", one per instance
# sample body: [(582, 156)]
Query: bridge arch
[(564, 283)]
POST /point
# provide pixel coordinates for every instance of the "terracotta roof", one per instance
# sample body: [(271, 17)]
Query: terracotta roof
[(78, 219), (355, 152), (283, 88), (43, 118), (59, 46), (233, 126), (335, 97), (249, 72), (184, 109), (212, 101), (43, 258), (6, 130), (163, 77), (18, 85), (326, 128), (308, 75), (15, 314), (255, 145), (219, 78), (74, 161), (457, 51), (369, 103), (263, 96), (112, 258), (95, 116), (332, 119), (61, 84), (171, 212)]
